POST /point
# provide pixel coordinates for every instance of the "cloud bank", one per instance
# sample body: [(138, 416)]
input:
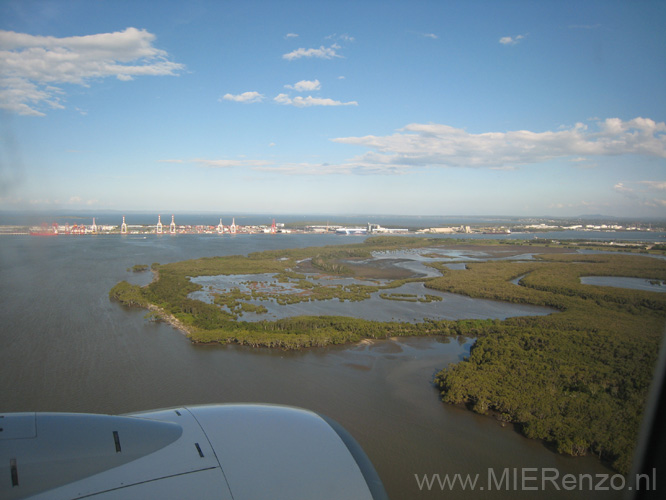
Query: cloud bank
[(31, 65), (435, 145)]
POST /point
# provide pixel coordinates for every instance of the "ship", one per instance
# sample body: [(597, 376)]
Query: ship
[(351, 230)]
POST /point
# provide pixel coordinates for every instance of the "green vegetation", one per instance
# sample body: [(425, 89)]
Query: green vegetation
[(130, 295), (577, 379), (329, 267), (408, 297), (403, 297), (234, 301), (218, 322), (285, 276), (139, 268), (253, 308)]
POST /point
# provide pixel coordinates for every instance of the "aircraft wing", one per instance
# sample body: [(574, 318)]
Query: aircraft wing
[(229, 452)]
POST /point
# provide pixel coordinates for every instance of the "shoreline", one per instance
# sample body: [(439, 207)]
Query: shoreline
[(159, 314)]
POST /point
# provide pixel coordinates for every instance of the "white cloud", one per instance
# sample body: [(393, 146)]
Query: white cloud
[(659, 185), (621, 188), (203, 162), (508, 40), (320, 53), (31, 65), (443, 146), (429, 35), (20, 96), (305, 86), (282, 99), (307, 169), (229, 163), (435, 145), (291, 35), (644, 192), (246, 97), (583, 162), (305, 102), (641, 186)]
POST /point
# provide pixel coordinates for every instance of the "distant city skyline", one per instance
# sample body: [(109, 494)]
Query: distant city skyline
[(413, 108)]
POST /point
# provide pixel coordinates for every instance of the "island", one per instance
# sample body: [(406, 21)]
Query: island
[(577, 378)]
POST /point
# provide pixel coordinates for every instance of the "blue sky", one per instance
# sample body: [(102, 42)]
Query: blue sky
[(372, 107)]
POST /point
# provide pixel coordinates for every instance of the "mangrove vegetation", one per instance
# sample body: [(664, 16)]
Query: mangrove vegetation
[(577, 379)]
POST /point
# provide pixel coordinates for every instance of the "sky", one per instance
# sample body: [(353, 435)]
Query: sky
[(550, 108)]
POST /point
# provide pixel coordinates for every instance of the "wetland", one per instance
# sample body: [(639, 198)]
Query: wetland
[(574, 372)]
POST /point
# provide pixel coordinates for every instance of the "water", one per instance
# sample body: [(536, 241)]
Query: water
[(451, 306), (622, 282), (66, 347)]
